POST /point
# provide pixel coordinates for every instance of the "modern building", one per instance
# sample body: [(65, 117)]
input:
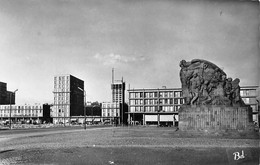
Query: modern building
[(68, 98), (118, 96), (160, 106), (154, 106), (6, 97), (36, 113), (110, 112), (118, 91), (249, 95)]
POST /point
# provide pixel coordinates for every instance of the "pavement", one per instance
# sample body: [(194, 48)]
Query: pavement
[(123, 145)]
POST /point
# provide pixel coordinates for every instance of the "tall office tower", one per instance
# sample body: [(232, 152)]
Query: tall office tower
[(118, 91), (68, 98), (6, 97)]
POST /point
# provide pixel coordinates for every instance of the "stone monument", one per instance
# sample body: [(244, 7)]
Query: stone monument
[(212, 100)]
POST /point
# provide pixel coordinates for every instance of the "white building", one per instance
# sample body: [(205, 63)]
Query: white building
[(110, 112), (21, 113), (68, 98)]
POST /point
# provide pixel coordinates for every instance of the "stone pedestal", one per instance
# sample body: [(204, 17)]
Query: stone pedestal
[(216, 119)]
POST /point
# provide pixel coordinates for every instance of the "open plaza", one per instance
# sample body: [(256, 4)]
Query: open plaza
[(123, 145)]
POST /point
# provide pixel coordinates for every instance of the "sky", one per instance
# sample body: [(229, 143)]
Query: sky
[(143, 40)]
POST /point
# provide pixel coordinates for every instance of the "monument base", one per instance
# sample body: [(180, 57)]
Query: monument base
[(216, 120)]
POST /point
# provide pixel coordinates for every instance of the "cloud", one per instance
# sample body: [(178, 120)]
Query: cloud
[(111, 59)]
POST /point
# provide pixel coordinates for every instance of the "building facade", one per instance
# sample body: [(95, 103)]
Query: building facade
[(160, 106), (249, 95), (23, 113), (118, 91), (68, 98), (154, 106), (118, 96), (6, 97), (110, 112)]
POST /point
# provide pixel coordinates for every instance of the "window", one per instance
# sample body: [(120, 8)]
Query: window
[(165, 94), (145, 109), (155, 94), (181, 101), (170, 94), (175, 101), (161, 94), (141, 94), (171, 101), (165, 101)]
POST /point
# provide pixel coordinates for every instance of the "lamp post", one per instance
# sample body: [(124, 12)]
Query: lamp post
[(84, 106), (10, 124)]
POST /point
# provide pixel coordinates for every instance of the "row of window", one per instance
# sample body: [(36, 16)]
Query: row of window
[(13, 107), (61, 78), (110, 106), (155, 94), (248, 92), (20, 111), (21, 115), (110, 112), (154, 109), (156, 101), (249, 100)]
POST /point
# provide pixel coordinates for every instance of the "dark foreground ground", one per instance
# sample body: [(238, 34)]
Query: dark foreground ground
[(123, 145)]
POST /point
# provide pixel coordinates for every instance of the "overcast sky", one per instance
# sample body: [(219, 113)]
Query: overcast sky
[(144, 40)]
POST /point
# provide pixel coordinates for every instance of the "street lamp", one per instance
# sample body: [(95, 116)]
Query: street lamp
[(11, 108), (84, 106)]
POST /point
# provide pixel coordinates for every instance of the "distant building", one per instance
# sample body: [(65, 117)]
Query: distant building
[(111, 112), (6, 97), (68, 98), (118, 96), (118, 91), (36, 113), (154, 106), (249, 95)]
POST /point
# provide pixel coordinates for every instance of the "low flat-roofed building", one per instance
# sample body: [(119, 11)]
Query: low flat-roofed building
[(154, 106), (24, 113), (110, 112)]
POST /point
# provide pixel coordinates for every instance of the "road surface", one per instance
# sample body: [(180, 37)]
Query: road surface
[(122, 145)]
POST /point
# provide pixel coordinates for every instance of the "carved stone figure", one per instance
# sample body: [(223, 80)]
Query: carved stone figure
[(228, 88), (205, 83), (195, 88), (204, 92)]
